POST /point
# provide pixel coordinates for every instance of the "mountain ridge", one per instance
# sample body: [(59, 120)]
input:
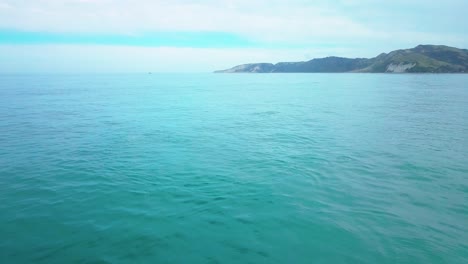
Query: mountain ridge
[(420, 59)]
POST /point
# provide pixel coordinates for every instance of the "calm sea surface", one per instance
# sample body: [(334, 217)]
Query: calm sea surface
[(234, 168)]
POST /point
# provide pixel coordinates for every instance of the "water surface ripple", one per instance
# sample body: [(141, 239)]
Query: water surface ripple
[(241, 168)]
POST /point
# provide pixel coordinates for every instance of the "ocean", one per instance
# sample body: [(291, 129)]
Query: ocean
[(234, 168)]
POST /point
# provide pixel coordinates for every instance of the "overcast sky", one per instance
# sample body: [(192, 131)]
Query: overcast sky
[(205, 35)]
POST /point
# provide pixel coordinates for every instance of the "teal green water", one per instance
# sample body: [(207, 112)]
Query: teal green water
[(240, 168)]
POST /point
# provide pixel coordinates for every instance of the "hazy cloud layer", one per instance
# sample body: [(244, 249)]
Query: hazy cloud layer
[(273, 20), (102, 58)]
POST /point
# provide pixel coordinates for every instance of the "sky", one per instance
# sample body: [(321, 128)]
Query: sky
[(207, 35)]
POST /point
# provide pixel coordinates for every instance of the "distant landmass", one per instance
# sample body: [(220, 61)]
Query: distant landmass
[(421, 59)]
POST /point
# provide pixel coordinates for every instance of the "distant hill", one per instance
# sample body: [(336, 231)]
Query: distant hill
[(421, 59)]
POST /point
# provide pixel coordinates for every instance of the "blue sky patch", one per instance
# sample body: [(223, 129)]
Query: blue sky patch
[(172, 39)]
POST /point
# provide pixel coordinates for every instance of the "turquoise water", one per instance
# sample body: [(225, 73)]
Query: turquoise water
[(240, 168)]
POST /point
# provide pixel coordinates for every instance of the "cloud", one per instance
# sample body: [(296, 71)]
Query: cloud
[(4, 6), (265, 21), (260, 20)]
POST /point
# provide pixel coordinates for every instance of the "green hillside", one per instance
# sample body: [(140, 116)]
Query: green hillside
[(421, 59)]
